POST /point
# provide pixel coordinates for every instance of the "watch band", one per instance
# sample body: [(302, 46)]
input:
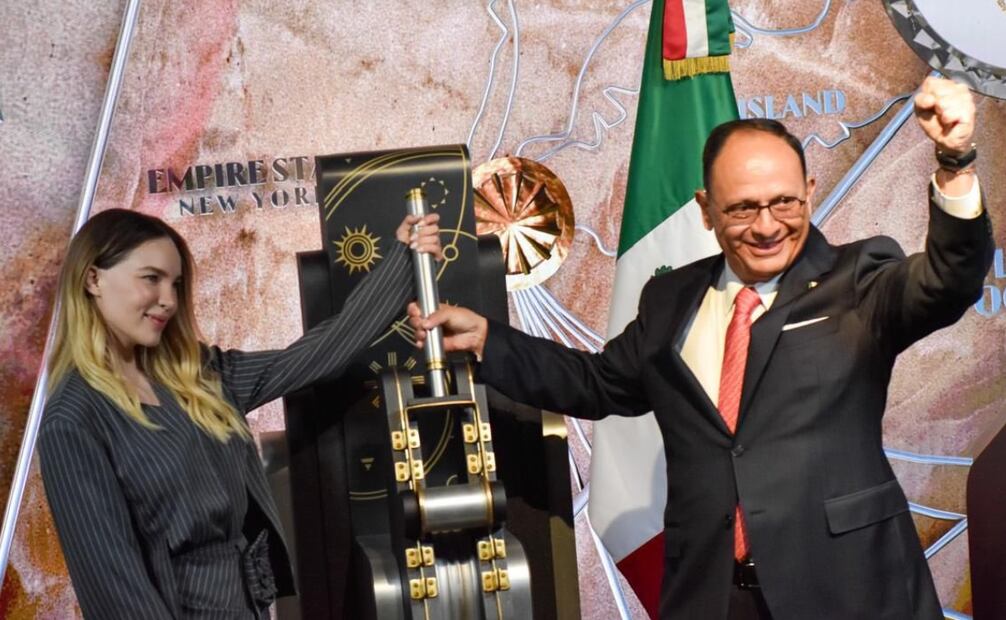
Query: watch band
[(954, 163)]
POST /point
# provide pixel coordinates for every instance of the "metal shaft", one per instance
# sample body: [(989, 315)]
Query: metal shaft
[(428, 297)]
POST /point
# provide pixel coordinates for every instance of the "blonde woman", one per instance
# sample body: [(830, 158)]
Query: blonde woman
[(155, 485)]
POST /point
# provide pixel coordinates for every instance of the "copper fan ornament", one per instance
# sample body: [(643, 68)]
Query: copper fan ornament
[(527, 207)]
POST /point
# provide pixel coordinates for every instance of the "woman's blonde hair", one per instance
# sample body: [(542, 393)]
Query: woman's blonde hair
[(82, 338)]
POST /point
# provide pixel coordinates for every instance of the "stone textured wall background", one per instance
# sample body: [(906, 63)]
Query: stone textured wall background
[(233, 81)]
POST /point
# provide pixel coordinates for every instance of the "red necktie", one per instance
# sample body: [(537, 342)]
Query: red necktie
[(735, 357)]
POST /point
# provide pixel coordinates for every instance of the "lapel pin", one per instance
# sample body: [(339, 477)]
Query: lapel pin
[(811, 284)]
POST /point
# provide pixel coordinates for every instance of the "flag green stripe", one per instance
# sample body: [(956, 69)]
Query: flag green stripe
[(719, 25), (673, 120)]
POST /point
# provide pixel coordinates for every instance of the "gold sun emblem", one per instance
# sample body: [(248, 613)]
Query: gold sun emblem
[(357, 250)]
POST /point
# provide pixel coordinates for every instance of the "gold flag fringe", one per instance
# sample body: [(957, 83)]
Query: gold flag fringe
[(690, 67)]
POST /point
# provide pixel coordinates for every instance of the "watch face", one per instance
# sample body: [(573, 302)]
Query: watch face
[(962, 40)]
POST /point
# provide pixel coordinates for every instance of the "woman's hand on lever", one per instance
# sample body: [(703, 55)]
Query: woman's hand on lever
[(422, 234)]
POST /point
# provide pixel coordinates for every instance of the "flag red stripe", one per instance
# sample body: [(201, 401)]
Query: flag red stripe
[(644, 569), (675, 33)]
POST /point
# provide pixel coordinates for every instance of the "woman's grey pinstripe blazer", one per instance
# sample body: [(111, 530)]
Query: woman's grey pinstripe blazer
[(153, 522)]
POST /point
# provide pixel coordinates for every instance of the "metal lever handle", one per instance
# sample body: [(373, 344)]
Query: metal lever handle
[(429, 299)]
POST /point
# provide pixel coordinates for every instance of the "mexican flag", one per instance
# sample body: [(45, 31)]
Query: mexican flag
[(685, 91)]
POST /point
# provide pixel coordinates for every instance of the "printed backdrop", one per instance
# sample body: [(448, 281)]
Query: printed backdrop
[(230, 82)]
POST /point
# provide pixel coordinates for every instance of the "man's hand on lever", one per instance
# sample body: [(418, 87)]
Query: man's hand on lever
[(421, 233), (463, 329), (946, 113)]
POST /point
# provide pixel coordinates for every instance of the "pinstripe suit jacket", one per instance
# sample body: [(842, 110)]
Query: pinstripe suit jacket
[(152, 522)]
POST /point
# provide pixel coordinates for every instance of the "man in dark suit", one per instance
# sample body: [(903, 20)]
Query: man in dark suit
[(767, 367)]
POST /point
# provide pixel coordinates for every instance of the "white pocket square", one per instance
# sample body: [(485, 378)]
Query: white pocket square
[(800, 324)]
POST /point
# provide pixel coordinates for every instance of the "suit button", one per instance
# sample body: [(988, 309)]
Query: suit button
[(729, 521), (737, 450)]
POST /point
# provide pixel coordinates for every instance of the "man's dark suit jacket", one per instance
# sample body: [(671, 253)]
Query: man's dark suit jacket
[(828, 523)]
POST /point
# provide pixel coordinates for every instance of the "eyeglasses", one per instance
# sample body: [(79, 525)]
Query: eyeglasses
[(782, 207)]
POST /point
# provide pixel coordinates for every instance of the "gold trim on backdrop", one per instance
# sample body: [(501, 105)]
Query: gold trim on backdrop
[(562, 536), (565, 573), (376, 161), (490, 511), (362, 172), (553, 425), (357, 250)]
